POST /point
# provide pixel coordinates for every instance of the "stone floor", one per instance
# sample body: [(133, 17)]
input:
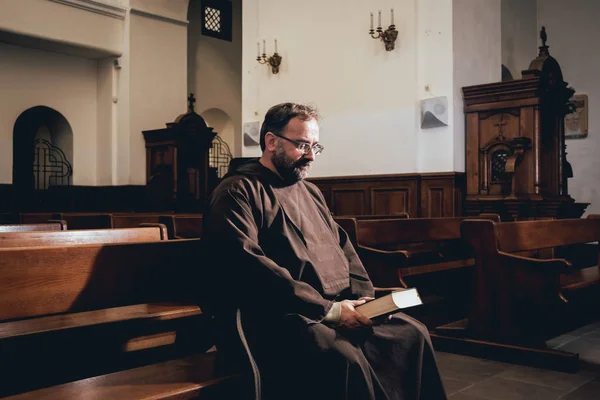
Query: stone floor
[(468, 378)]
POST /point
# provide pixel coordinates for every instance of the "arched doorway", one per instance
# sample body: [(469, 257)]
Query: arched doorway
[(42, 149)]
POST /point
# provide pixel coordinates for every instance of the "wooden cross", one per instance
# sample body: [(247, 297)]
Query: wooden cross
[(191, 101), (500, 126)]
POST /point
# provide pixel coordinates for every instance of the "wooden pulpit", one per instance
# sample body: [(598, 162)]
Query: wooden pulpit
[(177, 163), (516, 163)]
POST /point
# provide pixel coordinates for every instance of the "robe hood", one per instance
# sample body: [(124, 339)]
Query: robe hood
[(252, 168)]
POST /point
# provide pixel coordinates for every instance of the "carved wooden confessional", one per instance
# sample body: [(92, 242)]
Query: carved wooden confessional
[(177, 163), (516, 163)]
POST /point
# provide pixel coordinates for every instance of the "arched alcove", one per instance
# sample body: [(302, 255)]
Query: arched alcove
[(221, 152), (42, 149), (222, 123)]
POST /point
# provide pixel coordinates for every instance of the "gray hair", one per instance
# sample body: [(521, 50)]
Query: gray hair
[(278, 117)]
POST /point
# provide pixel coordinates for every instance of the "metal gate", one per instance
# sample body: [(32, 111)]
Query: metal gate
[(50, 166)]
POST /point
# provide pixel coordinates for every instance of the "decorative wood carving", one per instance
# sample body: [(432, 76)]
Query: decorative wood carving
[(177, 166), (515, 143)]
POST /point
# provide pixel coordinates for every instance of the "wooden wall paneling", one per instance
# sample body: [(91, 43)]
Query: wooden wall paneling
[(387, 201), (349, 201), (395, 197), (437, 198)]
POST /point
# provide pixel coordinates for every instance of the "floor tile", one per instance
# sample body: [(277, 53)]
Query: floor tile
[(452, 385), (560, 340), (468, 369), (595, 334), (585, 329), (505, 389), (559, 380), (589, 391), (587, 347), (462, 396)]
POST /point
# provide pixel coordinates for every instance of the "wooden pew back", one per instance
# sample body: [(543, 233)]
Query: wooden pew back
[(526, 299), (35, 218), (183, 226), (85, 236), (388, 233), (86, 220), (90, 277), (133, 220), (532, 235), (46, 226)]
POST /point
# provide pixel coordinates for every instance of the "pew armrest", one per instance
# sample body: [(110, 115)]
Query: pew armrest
[(392, 256), (383, 266), (558, 265)]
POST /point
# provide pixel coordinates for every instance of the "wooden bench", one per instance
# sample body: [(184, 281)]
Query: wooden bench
[(34, 218), (394, 249), (86, 236), (520, 302), (9, 218), (132, 220), (86, 220), (186, 378), (79, 311), (45, 226), (183, 226)]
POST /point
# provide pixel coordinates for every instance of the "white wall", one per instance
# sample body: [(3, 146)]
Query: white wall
[(370, 98), (215, 72), (158, 71), (572, 31), (519, 34), (67, 84), (477, 58), (365, 94), (434, 69), (69, 25)]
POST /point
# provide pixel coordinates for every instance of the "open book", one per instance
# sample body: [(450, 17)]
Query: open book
[(390, 303)]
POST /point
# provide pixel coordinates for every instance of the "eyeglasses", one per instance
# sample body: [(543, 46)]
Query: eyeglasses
[(304, 147)]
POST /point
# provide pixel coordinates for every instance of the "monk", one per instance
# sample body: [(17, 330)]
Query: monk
[(285, 281)]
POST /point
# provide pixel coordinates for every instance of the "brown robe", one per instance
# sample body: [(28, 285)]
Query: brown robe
[(278, 256)]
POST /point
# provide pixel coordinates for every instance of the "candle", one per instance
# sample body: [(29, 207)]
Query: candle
[(275, 45), (371, 21), (379, 20), (264, 47), (392, 17), (258, 49)]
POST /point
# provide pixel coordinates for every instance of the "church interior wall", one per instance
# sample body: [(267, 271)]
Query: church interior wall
[(158, 71), (215, 72), (369, 97), (366, 95), (476, 59), (99, 32), (572, 37), (434, 72), (519, 35), (30, 78)]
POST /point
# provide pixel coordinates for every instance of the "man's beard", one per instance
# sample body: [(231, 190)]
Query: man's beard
[(291, 171)]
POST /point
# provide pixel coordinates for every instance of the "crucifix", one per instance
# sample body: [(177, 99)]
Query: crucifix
[(500, 126), (191, 101)]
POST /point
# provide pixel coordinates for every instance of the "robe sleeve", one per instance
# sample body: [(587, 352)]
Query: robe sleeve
[(256, 282)]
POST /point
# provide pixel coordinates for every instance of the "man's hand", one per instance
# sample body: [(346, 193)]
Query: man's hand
[(352, 323)]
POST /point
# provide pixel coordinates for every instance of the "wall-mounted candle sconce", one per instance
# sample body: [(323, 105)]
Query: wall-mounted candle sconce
[(274, 61), (388, 36)]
